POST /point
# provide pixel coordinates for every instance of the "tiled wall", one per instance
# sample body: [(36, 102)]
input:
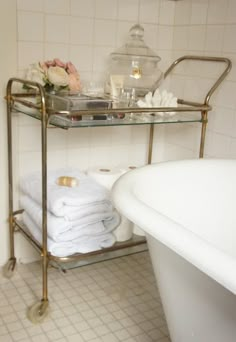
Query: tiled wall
[(86, 31), (206, 27)]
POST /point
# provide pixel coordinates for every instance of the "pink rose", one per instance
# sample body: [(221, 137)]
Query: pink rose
[(59, 63), (71, 69), (50, 63), (74, 82)]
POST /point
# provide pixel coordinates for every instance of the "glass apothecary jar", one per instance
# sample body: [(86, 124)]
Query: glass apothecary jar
[(133, 69)]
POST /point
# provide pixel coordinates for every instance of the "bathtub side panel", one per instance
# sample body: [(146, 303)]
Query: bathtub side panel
[(196, 307)]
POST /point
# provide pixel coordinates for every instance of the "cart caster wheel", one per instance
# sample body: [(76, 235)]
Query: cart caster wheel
[(38, 312), (9, 268)]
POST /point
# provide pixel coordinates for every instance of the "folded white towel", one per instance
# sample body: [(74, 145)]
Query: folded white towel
[(61, 229), (60, 198), (83, 244)]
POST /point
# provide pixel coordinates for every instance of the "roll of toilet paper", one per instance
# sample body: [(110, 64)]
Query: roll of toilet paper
[(124, 231), (138, 231), (105, 176)]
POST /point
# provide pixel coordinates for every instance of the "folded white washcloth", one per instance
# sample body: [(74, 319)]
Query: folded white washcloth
[(159, 99), (60, 198), (83, 244), (61, 229)]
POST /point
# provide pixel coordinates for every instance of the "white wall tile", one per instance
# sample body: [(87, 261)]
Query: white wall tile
[(105, 32), (57, 29), (78, 138), (78, 158), (229, 37), (57, 159), (56, 139), (182, 12), (56, 50), (28, 53), (199, 12), (217, 11), (101, 136), (30, 26), (101, 58), (180, 38), (165, 62), (29, 162), (120, 156), (140, 134), (29, 5), (232, 148), (123, 28), (128, 10), (186, 135), (196, 40), (81, 31), (29, 139), (165, 37), (121, 135), (149, 11), (82, 57), (226, 95), (138, 154), (106, 9), (151, 36), (100, 156), (167, 12), (83, 8), (217, 145), (214, 37), (231, 12), (57, 6), (232, 74), (224, 121)]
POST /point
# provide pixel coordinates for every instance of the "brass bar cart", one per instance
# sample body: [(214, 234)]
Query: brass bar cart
[(50, 117)]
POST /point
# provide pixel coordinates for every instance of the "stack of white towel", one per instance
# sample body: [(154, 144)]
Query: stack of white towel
[(80, 219)]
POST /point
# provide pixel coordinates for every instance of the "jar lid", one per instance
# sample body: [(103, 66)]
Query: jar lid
[(135, 46)]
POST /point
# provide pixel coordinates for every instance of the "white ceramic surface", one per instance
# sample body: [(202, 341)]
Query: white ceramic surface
[(188, 212)]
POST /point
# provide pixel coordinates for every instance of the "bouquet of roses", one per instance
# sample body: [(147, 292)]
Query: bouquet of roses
[(55, 75)]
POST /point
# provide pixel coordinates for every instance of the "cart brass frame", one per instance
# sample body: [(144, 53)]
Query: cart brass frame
[(38, 311)]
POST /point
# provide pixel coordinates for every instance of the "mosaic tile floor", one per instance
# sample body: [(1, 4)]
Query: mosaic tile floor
[(111, 301)]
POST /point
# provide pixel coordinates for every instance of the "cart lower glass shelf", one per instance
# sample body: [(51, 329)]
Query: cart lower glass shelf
[(72, 121), (134, 245)]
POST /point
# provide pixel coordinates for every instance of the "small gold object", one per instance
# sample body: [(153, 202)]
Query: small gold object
[(67, 181)]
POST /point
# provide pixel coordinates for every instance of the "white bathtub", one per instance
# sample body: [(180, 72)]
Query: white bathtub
[(188, 211)]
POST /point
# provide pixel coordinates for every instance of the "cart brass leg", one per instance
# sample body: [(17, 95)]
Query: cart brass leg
[(151, 134), (9, 267), (45, 277), (44, 201), (203, 133)]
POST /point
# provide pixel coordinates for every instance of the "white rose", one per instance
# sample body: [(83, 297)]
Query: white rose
[(58, 76), (36, 74)]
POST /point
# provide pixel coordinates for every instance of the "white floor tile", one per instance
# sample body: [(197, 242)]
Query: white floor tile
[(111, 301)]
